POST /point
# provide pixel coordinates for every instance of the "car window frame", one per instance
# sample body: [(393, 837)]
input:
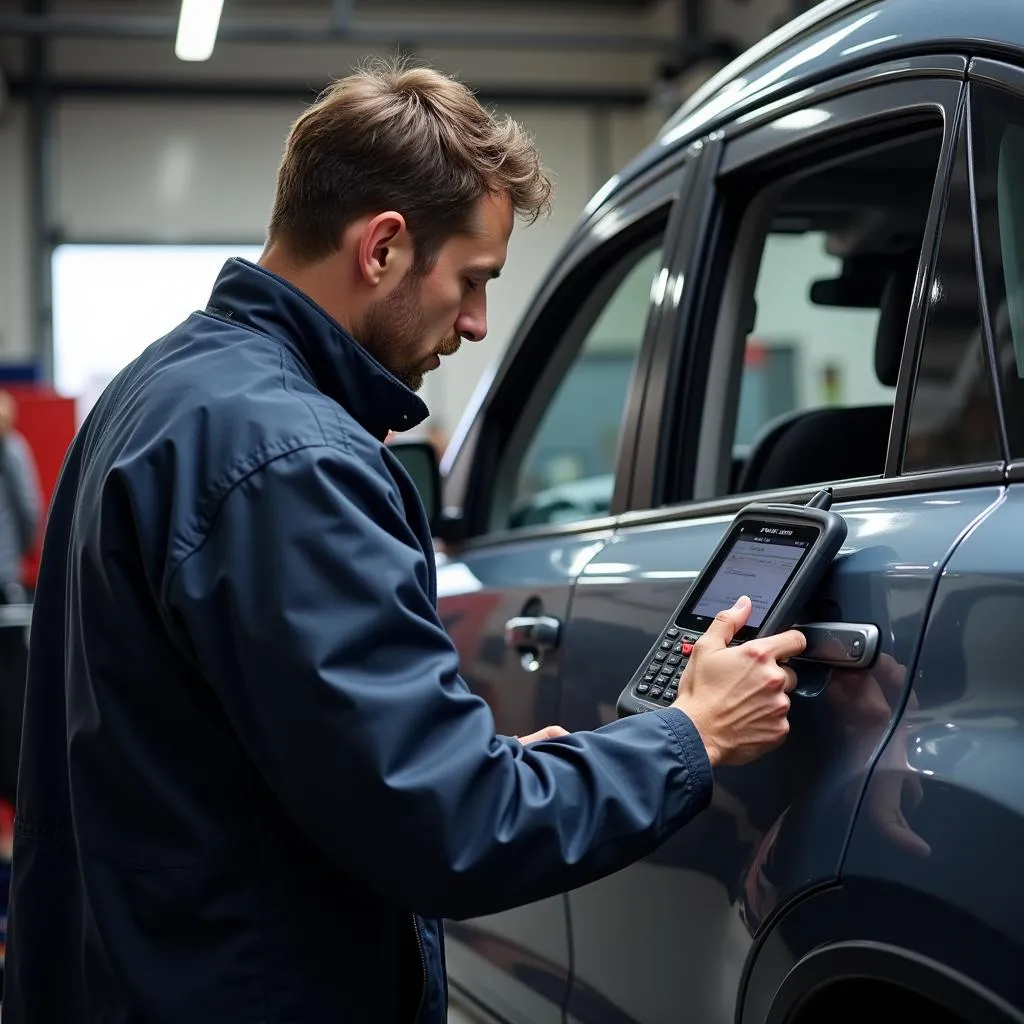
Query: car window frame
[(1007, 78), (871, 108), (936, 82), (962, 150), (474, 455)]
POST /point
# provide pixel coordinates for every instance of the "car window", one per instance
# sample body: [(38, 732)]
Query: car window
[(998, 153), (953, 420), (822, 272), (566, 468)]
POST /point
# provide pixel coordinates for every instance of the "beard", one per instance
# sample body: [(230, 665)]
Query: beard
[(394, 331)]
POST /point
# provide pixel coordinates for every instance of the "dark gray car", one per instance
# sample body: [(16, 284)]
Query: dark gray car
[(815, 275)]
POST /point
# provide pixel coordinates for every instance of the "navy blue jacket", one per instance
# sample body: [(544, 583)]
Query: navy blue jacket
[(252, 779)]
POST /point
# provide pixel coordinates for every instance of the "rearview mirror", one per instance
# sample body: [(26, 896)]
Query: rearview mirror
[(420, 461)]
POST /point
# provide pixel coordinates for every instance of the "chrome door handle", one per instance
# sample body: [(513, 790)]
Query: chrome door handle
[(532, 636), (840, 644)]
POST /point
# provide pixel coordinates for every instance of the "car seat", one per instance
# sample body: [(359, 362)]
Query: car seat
[(815, 445)]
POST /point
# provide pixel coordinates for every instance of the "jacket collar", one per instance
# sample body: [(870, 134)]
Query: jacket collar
[(334, 361)]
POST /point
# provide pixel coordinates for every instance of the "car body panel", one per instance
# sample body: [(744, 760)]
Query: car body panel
[(954, 767), (518, 961), (775, 828), (893, 924)]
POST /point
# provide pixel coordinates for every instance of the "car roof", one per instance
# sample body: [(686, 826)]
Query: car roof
[(834, 37)]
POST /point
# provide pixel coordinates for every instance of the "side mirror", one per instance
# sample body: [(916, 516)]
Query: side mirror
[(420, 461)]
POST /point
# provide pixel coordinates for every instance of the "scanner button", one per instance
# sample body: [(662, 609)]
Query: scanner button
[(642, 687), (656, 692), (667, 645), (660, 655), (686, 648), (670, 695), (676, 659), (671, 633)]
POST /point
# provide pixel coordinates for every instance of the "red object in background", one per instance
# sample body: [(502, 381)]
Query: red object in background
[(755, 356), (47, 422)]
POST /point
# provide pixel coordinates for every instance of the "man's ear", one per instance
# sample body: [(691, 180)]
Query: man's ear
[(385, 252)]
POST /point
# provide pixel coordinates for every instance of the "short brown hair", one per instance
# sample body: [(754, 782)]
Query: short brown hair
[(409, 139)]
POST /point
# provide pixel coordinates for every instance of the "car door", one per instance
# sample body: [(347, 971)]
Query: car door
[(791, 365), (535, 484), (953, 767)]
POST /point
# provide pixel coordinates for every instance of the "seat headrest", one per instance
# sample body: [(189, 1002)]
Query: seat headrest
[(892, 320), (833, 443)]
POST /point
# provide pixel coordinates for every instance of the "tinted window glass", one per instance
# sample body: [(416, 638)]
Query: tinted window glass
[(953, 419), (998, 147), (569, 448)]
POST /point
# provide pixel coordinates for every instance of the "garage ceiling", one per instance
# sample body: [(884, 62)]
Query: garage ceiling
[(361, 8), (541, 24), (364, 8)]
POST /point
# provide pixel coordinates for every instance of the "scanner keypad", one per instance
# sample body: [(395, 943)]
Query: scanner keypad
[(659, 681)]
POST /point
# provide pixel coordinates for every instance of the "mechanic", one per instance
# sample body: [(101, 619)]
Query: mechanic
[(252, 779)]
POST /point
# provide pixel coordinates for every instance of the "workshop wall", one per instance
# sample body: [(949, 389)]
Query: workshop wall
[(149, 162)]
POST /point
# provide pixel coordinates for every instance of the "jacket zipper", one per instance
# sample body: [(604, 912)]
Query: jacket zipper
[(423, 967)]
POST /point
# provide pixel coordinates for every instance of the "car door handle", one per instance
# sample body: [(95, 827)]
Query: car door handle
[(532, 636), (840, 644), (536, 632)]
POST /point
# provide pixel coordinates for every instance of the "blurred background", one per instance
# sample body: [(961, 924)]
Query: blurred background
[(128, 174)]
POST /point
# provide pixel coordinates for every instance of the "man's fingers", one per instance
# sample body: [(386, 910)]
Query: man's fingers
[(790, 684), (726, 625), (781, 646), (549, 732), (552, 732)]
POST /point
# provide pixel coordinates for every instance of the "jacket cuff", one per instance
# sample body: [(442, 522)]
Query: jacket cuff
[(692, 753)]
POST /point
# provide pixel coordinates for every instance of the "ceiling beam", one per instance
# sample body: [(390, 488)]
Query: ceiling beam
[(190, 89), (156, 27)]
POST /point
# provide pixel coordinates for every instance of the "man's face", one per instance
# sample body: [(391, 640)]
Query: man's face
[(426, 316)]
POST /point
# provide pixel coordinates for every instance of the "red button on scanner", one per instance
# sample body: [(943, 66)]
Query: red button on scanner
[(685, 648)]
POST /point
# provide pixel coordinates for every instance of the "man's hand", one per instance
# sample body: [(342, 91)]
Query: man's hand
[(738, 697), (549, 732)]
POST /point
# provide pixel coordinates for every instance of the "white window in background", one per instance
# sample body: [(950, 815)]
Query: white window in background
[(112, 301)]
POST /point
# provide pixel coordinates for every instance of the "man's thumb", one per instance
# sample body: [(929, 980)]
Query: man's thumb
[(727, 624)]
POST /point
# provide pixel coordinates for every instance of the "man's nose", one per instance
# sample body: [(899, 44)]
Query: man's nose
[(472, 326)]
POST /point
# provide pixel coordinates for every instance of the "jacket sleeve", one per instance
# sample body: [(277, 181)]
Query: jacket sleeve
[(307, 607)]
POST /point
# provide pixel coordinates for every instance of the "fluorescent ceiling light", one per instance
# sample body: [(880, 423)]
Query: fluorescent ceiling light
[(197, 29)]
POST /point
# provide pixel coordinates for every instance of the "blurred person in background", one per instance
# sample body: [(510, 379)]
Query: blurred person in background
[(21, 504), (21, 509)]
